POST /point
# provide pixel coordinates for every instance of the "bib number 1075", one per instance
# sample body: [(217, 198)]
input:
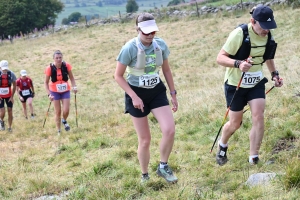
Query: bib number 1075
[(149, 81)]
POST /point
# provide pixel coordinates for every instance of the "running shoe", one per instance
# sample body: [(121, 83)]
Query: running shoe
[(9, 130), (254, 161), (167, 174), (2, 125), (221, 157), (65, 123), (145, 178)]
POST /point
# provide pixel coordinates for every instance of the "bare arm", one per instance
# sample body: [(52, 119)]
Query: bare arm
[(32, 88), (72, 81), (169, 78), (224, 60), (13, 91), (14, 85), (119, 77), (46, 84), (271, 66)]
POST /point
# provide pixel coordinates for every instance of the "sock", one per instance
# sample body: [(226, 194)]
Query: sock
[(223, 145), (145, 175), (32, 114), (251, 158), (63, 120), (162, 164)]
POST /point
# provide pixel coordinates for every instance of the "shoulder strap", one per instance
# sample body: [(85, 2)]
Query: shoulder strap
[(245, 48)]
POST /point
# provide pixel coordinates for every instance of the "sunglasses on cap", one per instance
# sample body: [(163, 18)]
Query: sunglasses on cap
[(147, 34)]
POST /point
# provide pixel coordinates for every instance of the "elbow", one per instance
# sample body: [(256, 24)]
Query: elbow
[(218, 60)]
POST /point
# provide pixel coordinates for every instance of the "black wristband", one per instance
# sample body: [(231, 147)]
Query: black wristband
[(273, 74), (237, 63)]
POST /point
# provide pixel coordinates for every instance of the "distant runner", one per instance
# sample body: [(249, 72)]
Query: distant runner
[(26, 92), (7, 92), (58, 88)]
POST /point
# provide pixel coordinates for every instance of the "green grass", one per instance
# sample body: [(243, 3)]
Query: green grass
[(98, 159)]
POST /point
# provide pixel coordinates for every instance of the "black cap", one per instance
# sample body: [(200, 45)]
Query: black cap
[(264, 15)]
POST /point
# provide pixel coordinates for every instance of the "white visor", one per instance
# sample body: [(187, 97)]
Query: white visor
[(148, 26)]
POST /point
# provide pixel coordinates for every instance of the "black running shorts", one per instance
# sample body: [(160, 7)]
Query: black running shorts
[(8, 103), (152, 98), (244, 95)]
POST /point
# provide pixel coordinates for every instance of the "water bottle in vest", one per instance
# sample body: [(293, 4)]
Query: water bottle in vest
[(159, 58), (141, 59)]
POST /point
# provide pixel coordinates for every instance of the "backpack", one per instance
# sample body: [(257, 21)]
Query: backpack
[(245, 49), (8, 78), (64, 72)]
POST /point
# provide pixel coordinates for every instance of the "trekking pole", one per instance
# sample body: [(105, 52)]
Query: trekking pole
[(237, 88), (266, 94), (76, 111), (47, 114)]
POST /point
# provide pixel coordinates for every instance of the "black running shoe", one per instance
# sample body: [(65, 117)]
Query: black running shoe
[(254, 161), (222, 155)]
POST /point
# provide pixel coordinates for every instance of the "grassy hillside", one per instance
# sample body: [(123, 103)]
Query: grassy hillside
[(98, 159), (108, 10)]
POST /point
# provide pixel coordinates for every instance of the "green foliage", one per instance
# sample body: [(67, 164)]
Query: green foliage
[(74, 17), (295, 3), (131, 6), (64, 21), (26, 15), (175, 2), (292, 174)]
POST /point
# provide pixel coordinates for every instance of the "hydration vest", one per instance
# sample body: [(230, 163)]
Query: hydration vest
[(141, 56), (8, 78), (64, 72), (244, 51)]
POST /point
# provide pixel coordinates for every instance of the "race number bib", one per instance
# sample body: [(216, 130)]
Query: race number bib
[(149, 80), (250, 79), (62, 87), (25, 92), (4, 91)]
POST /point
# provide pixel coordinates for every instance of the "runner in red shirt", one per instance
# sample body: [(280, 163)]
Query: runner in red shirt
[(26, 92), (7, 91)]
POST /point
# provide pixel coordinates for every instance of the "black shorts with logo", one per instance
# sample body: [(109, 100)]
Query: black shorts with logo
[(244, 95), (152, 98)]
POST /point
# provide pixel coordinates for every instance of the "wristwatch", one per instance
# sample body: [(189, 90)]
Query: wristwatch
[(173, 92)]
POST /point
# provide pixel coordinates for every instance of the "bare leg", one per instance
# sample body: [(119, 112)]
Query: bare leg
[(144, 138), (66, 108), (57, 108), (232, 125), (2, 113), (24, 109), (29, 101), (165, 119), (257, 131), (10, 117)]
